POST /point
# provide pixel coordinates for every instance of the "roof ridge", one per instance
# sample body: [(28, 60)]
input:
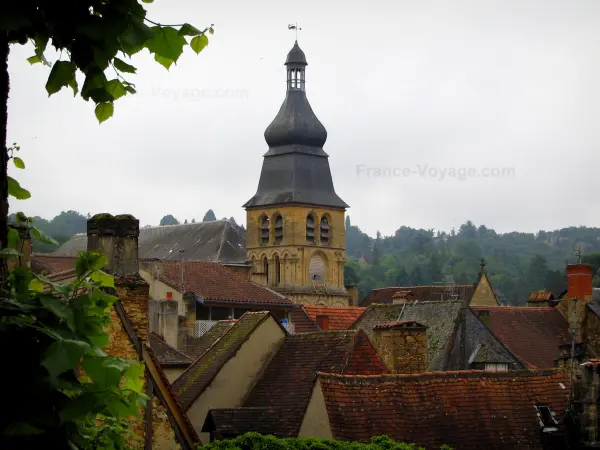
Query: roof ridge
[(447, 374), (515, 308)]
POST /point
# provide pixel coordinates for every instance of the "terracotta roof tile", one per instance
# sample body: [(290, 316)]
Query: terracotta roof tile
[(288, 380), (541, 296), (340, 318), (302, 321), (466, 410), (423, 293), (165, 354), (200, 374), (531, 334), (49, 263), (216, 284), (230, 422), (196, 346)]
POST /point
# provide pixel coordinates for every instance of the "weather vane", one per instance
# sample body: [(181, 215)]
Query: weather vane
[(293, 26), (578, 253)]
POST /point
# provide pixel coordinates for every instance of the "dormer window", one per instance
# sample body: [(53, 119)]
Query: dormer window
[(278, 229), (324, 232), (264, 230), (310, 229)]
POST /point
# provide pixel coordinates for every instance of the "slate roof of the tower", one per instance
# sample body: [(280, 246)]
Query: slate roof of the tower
[(217, 241), (296, 56), (465, 410), (296, 168)]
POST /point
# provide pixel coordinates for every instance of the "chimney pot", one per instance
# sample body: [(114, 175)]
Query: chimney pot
[(169, 295), (323, 322)]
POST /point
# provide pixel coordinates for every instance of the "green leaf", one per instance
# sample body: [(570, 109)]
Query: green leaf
[(135, 36), (15, 190), (211, 30), (198, 43), (41, 236), (103, 279), (165, 62), (116, 89), (104, 111), (13, 237), (89, 262), (36, 285), (34, 59), (64, 355), (22, 219), (189, 30), (60, 308), (123, 66), (94, 86), (61, 75), (134, 377), (166, 42), (84, 405), (9, 253), (18, 162), (130, 89), (22, 429)]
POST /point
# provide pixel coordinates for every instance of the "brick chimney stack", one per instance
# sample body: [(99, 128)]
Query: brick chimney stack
[(117, 238), (402, 345), (579, 294), (323, 322)]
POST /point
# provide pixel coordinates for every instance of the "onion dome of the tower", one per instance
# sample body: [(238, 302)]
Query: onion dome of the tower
[(296, 123)]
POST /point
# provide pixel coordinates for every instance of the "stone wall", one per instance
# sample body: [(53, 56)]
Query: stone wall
[(403, 349), (163, 437)]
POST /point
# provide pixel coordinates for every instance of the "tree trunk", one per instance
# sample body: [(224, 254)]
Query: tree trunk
[(4, 87)]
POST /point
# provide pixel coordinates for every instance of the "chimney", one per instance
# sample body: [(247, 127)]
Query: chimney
[(189, 301), (402, 345), (169, 295), (169, 322), (484, 316), (579, 294), (23, 246), (117, 238), (586, 405), (323, 322), (352, 290)]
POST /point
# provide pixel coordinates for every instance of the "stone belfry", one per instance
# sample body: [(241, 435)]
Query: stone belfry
[(296, 238)]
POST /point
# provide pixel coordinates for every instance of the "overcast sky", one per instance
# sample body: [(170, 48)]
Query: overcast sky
[(419, 91)]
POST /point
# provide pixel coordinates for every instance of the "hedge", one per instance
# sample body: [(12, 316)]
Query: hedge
[(256, 441)]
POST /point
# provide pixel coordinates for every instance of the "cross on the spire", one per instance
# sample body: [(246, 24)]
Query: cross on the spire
[(294, 26)]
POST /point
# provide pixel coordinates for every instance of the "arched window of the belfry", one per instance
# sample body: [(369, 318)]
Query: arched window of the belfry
[(324, 231), (264, 230), (278, 229), (266, 268), (316, 268), (295, 78), (310, 229), (277, 270)]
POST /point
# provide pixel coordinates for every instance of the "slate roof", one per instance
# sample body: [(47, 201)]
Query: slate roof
[(217, 284), (422, 293), (217, 241), (340, 318), (288, 380), (594, 305), (231, 422), (200, 374), (165, 354), (531, 334), (465, 410), (196, 346), (440, 318), (51, 264)]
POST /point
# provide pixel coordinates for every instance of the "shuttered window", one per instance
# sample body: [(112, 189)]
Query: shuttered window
[(264, 230), (310, 229), (324, 232), (316, 268)]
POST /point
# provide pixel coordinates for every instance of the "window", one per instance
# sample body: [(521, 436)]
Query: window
[(264, 230), (220, 313), (202, 312), (277, 270), (310, 229), (278, 229), (266, 268), (316, 268), (239, 312), (324, 232), (496, 367)]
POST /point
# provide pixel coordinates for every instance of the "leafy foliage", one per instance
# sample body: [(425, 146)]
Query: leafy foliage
[(95, 38), (70, 392), (256, 441)]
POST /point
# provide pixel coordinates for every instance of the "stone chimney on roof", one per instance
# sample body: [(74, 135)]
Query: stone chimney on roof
[(402, 346), (579, 295), (117, 238)]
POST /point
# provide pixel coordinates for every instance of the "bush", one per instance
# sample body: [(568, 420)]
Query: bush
[(256, 441)]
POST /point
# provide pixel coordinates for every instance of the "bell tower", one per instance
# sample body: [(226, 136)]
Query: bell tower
[(296, 238)]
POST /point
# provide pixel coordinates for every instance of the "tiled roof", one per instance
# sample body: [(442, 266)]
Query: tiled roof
[(217, 241), (288, 380), (231, 422), (340, 318), (594, 305), (423, 293), (49, 263), (196, 346), (200, 374), (217, 284), (399, 324), (465, 410), (440, 318), (302, 321), (541, 296), (165, 354), (532, 334)]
